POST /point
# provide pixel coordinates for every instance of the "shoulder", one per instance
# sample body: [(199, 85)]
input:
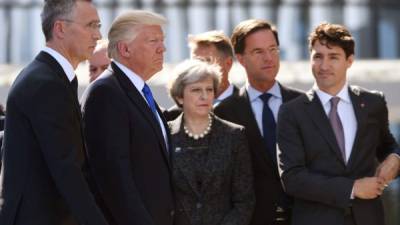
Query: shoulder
[(172, 113), (290, 92), (227, 126), (232, 101)]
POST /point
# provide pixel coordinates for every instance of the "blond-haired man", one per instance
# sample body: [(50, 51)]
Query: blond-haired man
[(127, 137)]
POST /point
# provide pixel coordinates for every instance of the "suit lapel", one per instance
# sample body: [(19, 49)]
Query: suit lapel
[(361, 116), (317, 114), (138, 100)]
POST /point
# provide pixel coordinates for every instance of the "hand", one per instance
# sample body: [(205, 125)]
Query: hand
[(368, 187), (389, 169)]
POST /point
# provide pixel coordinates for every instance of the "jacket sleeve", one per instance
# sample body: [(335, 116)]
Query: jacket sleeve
[(243, 197)]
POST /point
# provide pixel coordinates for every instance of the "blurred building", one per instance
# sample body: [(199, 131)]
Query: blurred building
[(374, 23)]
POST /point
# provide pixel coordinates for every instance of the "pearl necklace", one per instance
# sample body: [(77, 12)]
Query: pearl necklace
[(202, 134)]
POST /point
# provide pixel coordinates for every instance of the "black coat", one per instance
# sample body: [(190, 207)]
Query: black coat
[(312, 167), (42, 181), (127, 153)]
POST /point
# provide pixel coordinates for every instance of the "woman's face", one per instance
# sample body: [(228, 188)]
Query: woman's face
[(198, 98)]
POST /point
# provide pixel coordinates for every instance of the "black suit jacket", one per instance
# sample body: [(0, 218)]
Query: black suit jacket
[(42, 181), (312, 167), (226, 195), (267, 183), (127, 153), (173, 112)]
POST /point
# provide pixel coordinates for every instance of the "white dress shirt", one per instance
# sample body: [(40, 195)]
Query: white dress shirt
[(346, 113), (138, 82), (257, 104), (64, 63)]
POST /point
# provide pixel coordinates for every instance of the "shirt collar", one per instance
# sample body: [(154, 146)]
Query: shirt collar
[(325, 97), (64, 63), (253, 93), (228, 92), (136, 80)]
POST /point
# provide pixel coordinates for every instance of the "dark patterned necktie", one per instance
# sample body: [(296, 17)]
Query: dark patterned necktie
[(337, 126), (269, 126)]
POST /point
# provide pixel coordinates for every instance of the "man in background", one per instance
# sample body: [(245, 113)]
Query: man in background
[(99, 61)]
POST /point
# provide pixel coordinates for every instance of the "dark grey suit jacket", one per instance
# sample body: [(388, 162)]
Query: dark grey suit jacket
[(227, 195), (42, 181), (127, 153), (267, 182), (312, 167)]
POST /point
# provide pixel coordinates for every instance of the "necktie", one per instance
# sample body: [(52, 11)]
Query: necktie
[(337, 125), (74, 85), (150, 100), (269, 126)]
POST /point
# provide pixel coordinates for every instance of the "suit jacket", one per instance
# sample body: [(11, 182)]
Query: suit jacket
[(267, 183), (127, 152), (173, 112), (226, 195), (312, 167), (42, 181)]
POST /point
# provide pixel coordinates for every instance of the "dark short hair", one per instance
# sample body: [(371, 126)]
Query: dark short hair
[(54, 10), (332, 35), (247, 27)]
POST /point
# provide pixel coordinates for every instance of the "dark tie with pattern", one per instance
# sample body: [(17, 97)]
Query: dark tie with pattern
[(337, 126), (150, 100), (269, 126)]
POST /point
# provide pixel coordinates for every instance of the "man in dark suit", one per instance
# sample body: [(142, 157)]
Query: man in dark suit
[(213, 47), (331, 139), (256, 47), (42, 182), (127, 137)]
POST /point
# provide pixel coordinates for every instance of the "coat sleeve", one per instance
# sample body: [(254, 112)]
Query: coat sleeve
[(108, 136), (243, 197), (55, 124), (298, 180)]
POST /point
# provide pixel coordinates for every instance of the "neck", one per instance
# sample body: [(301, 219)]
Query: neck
[(196, 125), (262, 86), (223, 86), (63, 51)]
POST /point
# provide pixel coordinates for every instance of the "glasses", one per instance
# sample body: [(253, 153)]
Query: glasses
[(94, 26), (273, 51)]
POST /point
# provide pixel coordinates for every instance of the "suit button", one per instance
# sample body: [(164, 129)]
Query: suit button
[(172, 213), (199, 205)]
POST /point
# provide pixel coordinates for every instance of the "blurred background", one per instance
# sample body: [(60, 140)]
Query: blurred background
[(375, 24)]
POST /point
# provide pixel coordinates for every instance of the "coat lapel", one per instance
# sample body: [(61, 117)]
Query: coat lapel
[(317, 114), (181, 154), (138, 100), (361, 116)]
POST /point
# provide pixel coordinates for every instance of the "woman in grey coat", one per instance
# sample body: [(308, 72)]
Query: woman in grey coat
[(212, 171)]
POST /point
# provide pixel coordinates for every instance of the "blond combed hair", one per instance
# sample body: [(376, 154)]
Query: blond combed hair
[(125, 27)]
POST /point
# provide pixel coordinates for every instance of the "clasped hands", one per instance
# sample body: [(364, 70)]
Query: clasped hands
[(372, 187)]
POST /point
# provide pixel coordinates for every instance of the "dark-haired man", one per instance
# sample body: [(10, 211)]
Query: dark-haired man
[(256, 46), (331, 139), (42, 181)]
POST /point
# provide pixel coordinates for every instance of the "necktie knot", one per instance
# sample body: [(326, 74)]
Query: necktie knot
[(265, 97), (334, 102)]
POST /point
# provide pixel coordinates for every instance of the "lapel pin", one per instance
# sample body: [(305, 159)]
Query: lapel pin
[(362, 105), (177, 149)]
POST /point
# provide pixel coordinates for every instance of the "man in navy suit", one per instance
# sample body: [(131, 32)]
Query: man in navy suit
[(256, 45), (127, 136), (332, 138), (42, 182)]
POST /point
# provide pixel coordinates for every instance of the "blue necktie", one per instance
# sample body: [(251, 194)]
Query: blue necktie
[(269, 126), (150, 100)]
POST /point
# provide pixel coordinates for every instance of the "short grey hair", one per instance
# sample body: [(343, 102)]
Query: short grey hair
[(125, 27), (54, 10), (192, 71)]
